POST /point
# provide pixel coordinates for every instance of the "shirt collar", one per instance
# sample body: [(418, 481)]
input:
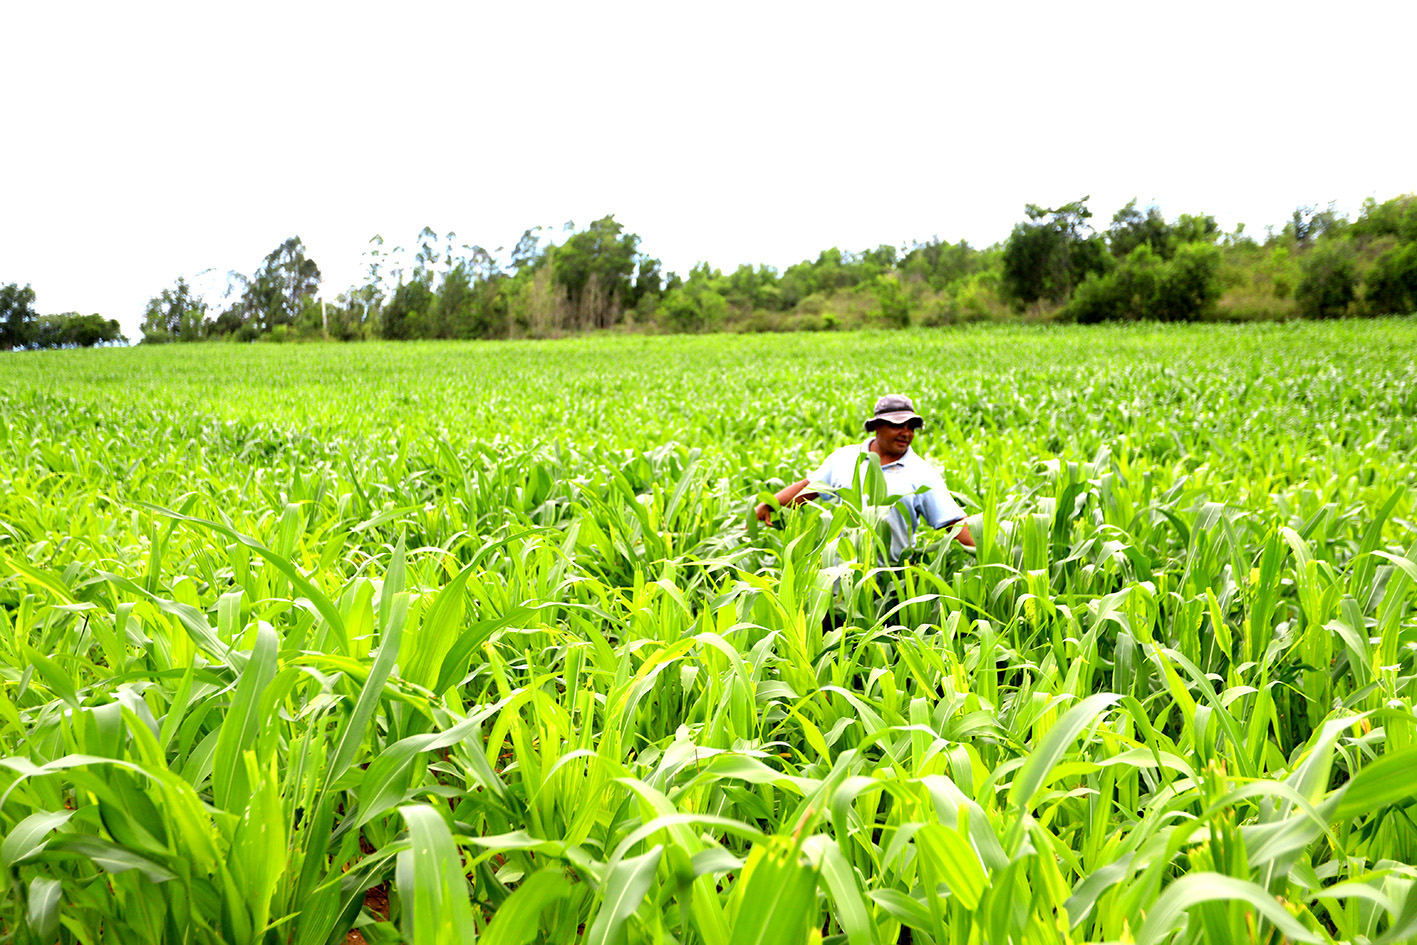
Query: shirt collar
[(866, 448)]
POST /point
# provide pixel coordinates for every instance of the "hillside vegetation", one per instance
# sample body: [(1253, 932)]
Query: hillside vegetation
[(1058, 264)]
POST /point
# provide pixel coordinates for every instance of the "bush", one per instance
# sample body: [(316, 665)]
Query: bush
[(1143, 286), (1328, 280), (1391, 285), (894, 306), (694, 307), (1189, 284)]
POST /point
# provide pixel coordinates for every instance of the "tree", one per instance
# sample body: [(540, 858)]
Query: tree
[(648, 282), (527, 252), (595, 267), (1396, 217), (695, 305), (17, 317), (1045, 257), (176, 314), (426, 256), (408, 314), (1310, 223), (72, 330), (278, 291), (1194, 228), (1328, 280), (939, 263), (753, 287), (1131, 228)]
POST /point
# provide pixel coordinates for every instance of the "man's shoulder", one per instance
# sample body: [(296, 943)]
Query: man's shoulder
[(918, 464), (842, 460), (850, 449)]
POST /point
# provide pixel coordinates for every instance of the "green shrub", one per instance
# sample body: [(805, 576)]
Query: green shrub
[(894, 305), (1391, 285), (1144, 286), (814, 304), (1328, 281), (1189, 285)]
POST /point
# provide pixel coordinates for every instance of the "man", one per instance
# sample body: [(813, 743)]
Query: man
[(893, 424)]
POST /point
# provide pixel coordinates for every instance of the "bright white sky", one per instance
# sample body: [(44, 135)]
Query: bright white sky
[(149, 140)]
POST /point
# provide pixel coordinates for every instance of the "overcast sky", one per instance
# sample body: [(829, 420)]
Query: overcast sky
[(143, 141)]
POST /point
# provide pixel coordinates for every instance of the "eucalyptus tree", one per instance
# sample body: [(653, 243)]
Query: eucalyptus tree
[(177, 313)]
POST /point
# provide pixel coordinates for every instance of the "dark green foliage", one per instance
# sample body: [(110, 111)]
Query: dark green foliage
[(1189, 285), (1047, 256), (1132, 228), (72, 330), (1329, 279), (455, 311), (17, 317), (648, 281), (275, 294), (408, 314), (22, 327), (177, 314), (596, 268), (1391, 285), (1144, 286)]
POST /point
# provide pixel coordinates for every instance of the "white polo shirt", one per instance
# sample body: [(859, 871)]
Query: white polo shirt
[(902, 478)]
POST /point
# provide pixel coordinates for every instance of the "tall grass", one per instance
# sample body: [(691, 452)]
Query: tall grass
[(456, 643)]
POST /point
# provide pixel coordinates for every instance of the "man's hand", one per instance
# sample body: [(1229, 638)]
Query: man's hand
[(792, 495)]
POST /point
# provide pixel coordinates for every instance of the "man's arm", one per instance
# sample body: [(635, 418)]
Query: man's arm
[(942, 511), (792, 495)]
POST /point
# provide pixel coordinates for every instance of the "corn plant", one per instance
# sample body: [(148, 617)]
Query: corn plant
[(458, 643)]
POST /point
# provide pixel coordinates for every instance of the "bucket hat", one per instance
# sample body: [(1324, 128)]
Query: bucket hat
[(894, 408)]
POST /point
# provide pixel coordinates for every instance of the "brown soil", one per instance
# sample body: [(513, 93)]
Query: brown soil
[(376, 900)]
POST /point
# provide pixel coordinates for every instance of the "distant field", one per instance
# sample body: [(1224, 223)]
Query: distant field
[(442, 642)]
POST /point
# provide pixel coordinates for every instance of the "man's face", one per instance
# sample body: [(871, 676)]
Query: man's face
[(893, 437)]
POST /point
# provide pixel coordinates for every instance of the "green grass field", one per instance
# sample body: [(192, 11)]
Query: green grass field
[(455, 643)]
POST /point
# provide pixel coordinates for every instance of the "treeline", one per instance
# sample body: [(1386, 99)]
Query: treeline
[(1320, 265), (1056, 264), (23, 327)]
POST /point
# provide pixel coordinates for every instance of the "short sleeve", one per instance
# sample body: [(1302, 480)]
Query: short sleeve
[(828, 473), (937, 506)]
